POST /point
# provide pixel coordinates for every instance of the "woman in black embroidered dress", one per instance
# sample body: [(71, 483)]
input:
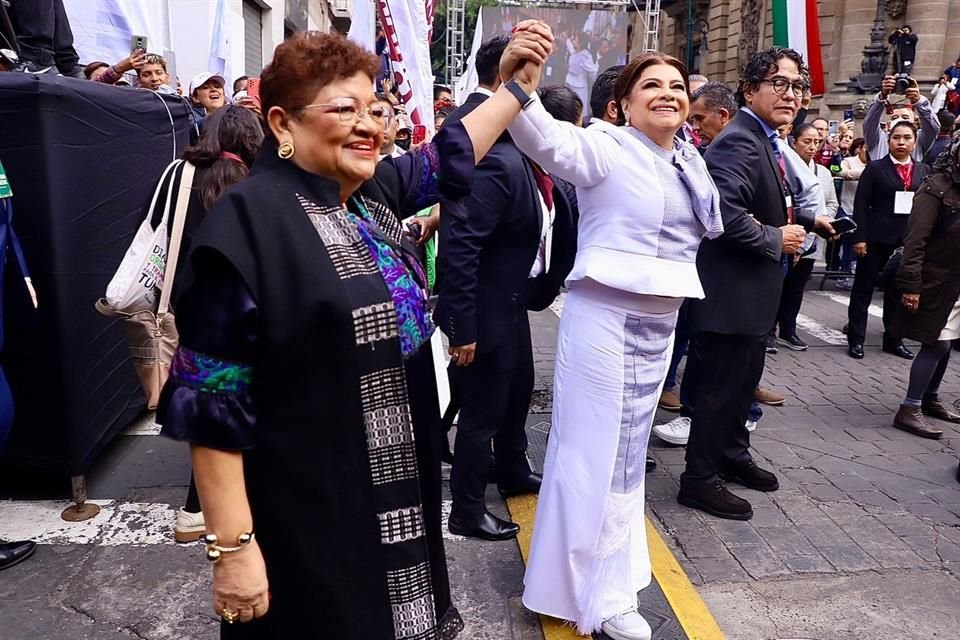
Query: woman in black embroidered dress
[(303, 381)]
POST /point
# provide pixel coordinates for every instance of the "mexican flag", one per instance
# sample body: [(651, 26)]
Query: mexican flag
[(795, 25)]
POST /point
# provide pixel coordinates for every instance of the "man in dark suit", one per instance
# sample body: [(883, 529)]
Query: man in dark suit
[(742, 275), (495, 258)]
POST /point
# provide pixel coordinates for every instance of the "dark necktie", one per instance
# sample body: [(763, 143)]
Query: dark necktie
[(782, 165), (544, 184)]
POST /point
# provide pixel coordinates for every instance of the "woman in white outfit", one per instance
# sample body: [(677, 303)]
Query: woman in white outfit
[(581, 69), (646, 201)]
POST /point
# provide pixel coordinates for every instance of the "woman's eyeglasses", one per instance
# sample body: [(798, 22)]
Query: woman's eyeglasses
[(350, 111)]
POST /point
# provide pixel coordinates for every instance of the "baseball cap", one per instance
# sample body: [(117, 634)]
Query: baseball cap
[(202, 78)]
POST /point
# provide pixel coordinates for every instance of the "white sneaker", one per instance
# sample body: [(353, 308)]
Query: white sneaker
[(751, 425), (190, 526), (677, 431), (627, 626)]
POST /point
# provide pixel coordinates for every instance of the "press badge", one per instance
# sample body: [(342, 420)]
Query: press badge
[(903, 203), (788, 201)]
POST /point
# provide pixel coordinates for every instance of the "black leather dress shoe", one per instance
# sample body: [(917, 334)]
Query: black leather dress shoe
[(490, 528), (651, 464), (855, 351), (715, 499), (751, 476), (12, 553), (528, 484), (898, 350), (958, 474)]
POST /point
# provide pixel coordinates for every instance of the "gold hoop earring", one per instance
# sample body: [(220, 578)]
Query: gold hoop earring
[(286, 150)]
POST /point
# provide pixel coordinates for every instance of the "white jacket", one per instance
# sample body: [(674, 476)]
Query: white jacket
[(621, 203)]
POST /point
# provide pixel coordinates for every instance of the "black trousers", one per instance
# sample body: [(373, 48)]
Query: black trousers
[(494, 396), (791, 298), (729, 372), (866, 279), (43, 33)]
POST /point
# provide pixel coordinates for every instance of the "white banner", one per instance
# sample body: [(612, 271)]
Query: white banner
[(363, 25), (219, 61), (468, 82), (405, 25), (198, 31), (102, 31)]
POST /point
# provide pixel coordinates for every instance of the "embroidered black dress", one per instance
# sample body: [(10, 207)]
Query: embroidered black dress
[(304, 344)]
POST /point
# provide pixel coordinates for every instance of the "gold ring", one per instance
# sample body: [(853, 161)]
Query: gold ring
[(229, 616)]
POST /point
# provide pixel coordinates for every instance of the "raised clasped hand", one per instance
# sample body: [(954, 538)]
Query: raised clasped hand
[(524, 57)]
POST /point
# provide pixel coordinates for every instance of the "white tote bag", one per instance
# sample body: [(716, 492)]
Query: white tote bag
[(138, 281), (152, 332)]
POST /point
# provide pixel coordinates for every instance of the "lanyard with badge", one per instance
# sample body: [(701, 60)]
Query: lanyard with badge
[(903, 200), (787, 196)]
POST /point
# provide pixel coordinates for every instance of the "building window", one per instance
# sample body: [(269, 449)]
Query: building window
[(252, 38)]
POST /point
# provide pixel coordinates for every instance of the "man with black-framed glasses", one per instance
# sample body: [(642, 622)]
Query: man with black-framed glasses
[(742, 275)]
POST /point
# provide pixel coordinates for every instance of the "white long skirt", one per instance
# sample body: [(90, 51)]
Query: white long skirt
[(589, 555)]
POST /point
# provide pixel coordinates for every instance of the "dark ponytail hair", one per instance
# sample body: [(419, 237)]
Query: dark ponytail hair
[(232, 129)]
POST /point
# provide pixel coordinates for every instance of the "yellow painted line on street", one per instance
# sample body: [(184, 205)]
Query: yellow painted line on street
[(687, 605), (522, 509), (692, 613)]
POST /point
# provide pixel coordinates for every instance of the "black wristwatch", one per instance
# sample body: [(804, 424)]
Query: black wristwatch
[(522, 96)]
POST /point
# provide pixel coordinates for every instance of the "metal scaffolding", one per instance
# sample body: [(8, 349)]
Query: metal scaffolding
[(651, 25), (456, 25)]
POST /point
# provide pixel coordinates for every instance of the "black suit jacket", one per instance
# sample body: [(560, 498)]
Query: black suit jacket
[(543, 290), (874, 202), (741, 270), (488, 243)]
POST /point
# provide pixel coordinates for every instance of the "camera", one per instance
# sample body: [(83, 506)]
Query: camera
[(904, 81)]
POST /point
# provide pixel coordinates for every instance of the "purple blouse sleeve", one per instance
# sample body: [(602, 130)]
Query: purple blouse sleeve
[(207, 400), (442, 167), (110, 76)]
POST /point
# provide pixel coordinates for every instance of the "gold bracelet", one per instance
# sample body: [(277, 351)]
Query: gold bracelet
[(215, 551)]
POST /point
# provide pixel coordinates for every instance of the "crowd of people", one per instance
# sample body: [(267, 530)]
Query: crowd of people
[(323, 245)]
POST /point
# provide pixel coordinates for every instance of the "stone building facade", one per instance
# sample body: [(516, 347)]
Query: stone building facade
[(733, 29)]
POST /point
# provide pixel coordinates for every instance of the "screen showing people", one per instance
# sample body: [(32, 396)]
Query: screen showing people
[(587, 42)]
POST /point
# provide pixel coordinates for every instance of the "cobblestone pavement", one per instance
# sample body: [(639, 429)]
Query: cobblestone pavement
[(862, 541), (863, 538)]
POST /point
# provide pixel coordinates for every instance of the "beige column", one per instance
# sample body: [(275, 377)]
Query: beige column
[(951, 46), (729, 70), (852, 33), (718, 38), (929, 20)]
